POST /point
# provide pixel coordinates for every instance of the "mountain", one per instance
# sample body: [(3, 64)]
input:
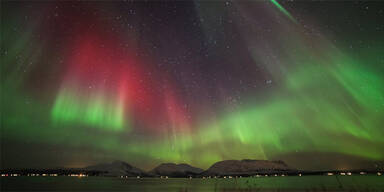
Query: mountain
[(117, 168), (175, 170), (323, 161), (246, 167)]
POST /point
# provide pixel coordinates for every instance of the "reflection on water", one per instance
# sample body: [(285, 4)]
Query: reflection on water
[(291, 183)]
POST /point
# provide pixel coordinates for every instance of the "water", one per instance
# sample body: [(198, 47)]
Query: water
[(292, 183)]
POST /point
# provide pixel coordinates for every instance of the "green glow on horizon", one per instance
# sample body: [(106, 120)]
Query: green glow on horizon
[(310, 116)]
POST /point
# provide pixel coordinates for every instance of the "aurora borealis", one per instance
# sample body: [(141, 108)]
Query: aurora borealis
[(192, 82)]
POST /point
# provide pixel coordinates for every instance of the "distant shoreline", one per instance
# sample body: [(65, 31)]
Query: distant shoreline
[(87, 173)]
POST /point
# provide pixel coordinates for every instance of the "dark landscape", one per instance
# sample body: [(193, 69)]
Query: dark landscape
[(229, 175), (227, 168)]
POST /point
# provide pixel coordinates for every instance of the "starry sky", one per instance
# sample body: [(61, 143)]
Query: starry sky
[(85, 82)]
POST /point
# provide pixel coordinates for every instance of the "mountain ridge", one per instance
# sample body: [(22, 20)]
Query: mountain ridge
[(245, 167), (117, 168), (220, 168), (175, 170)]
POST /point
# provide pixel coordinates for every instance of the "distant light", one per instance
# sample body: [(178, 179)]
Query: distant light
[(363, 173), (329, 174), (378, 173), (342, 173), (349, 173), (299, 174), (138, 177)]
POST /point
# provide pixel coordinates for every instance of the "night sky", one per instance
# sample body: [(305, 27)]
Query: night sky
[(85, 82)]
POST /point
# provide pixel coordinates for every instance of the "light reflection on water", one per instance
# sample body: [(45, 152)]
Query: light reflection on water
[(291, 183)]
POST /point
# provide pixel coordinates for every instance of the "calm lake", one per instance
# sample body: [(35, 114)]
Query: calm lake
[(292, 183)]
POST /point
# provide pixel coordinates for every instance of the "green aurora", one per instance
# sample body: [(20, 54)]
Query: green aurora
[(319, 97)]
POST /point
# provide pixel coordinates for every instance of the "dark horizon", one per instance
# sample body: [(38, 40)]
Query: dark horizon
[(368, 165)]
